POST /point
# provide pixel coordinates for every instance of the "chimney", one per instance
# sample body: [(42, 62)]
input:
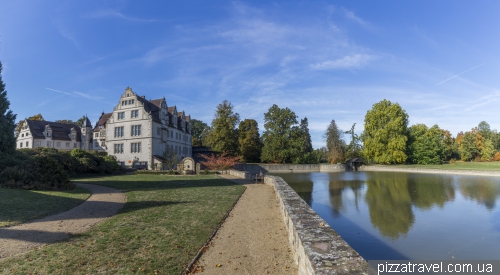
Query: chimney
[(143, 97)]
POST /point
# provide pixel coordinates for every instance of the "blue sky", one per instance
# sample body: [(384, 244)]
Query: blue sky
[(324, 60)]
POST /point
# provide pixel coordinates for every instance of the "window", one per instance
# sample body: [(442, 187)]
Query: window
[(96, 134), (27, 134), (27, 143), (121, 115), (136, 130), (131, 101), (119, 148), (103, 143), (22, 135), (135, 147), (172, 134), (20, 145), (74, 145), (67, 144), (158, 131), (48, 134), (134, 113), (58, 144), (119, 131), (38, 143), (49, 144)]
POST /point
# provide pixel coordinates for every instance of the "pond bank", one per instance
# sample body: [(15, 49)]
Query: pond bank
[(390, 168)]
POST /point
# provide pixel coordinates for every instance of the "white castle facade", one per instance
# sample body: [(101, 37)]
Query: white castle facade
[(138, 132)]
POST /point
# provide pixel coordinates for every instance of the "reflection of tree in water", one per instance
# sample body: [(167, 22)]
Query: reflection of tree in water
[(429, 190), (336, 188), (304, 189), (390, 203), (483, 190)]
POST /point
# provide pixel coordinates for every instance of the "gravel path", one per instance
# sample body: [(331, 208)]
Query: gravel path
[(103, 203), (253, 239)]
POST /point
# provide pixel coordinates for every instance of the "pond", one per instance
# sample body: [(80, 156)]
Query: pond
[(407, 216)]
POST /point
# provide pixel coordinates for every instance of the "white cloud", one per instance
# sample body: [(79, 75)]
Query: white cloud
[(350, 15), (346, 62), (109, 13)]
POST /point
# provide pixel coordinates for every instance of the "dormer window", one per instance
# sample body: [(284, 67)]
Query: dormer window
[(48, 134)]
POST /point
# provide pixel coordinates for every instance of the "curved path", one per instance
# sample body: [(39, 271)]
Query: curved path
[(103, 203)]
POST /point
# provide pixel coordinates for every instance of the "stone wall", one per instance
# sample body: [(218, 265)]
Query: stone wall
[(316, 247), (289, 168)]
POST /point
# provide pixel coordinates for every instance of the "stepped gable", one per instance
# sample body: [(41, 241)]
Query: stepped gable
[(102, 121), (150, 108), (60, 131)]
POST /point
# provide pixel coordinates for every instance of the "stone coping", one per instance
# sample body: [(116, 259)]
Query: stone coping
[(317, 248), (289, 168)]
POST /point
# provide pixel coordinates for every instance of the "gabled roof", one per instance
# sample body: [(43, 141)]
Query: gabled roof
[(151, 108), (102, 121), (60, 131), (157, 102)]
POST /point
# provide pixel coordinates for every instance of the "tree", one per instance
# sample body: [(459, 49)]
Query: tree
[(488, 151), (304, 128), (219, 163), (81, 121), (65, 121), (484, 128), (223, 136), (353, 149), (170, 158), (20, 124), (7, 121), (250, 145), (471, 144), (385, 134), (334, 143), (278, 136), (426, 145), (198, 132), (448, 143)]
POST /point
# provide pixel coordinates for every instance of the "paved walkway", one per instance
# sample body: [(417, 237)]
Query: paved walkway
[(103, 203), (253, 239)]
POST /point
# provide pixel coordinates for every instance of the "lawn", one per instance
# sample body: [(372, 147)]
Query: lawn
[(18, 205), (459, 165), (164, 223)]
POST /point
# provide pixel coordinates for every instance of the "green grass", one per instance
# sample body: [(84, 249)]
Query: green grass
[(18, 205), (164, 223), (459, 165)]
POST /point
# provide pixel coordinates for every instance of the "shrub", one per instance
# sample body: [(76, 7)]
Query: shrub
[(496, 157), (452, 161)]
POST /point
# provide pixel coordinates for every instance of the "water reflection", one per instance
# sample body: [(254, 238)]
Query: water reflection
[(405, 211), (482, 190)]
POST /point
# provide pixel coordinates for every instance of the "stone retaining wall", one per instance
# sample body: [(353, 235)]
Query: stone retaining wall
[(316, 247), (289, 168)]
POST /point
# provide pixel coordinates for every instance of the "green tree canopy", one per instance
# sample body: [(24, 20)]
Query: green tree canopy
[(7, 121), (335, 143), (278, 136), (304, 128), (81, 121), (353, 149), (223, 136), (426, 145), (199, 130), (385, 134), (65, 121), (249, 140)]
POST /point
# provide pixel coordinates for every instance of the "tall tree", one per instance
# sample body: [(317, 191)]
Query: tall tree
[(485, 130), (224, 135), (278, 136), (249, 140), (471, 144), (304, 128), (7, 121), (385, 134), (198, 131), (20, 124), (426, 145), (353, 149), (335, 143)]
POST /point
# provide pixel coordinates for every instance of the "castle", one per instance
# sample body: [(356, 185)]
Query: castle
[(138, 132)]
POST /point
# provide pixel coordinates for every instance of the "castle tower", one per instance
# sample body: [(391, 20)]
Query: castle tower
[(87, 134)]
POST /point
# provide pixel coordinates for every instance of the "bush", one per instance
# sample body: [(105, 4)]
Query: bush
[(496, 157), (453, 161)]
